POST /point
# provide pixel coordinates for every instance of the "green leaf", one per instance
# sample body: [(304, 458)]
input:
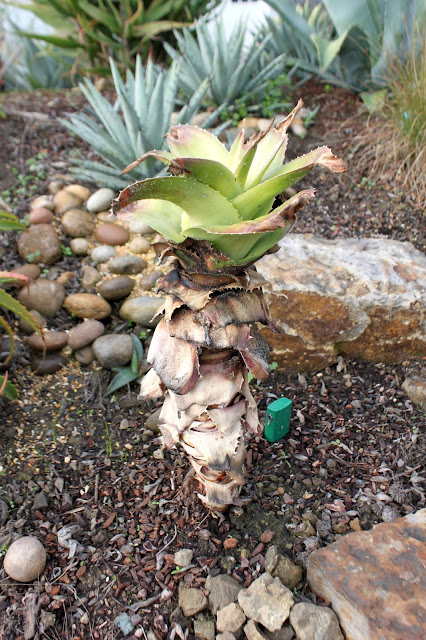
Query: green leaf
[(8, 302), (64, 43), (186, 141), (123, 377), (210, 172), (7, 389), (137, 345), (328, 51), (165, 217)]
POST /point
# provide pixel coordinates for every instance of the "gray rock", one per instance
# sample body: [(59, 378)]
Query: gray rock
[(271, 558), (183, 557), (126, 264), (26, 327), (90, 277), (85, 333), (361, 298), (253, 632), (113, 350), (191, 600), (116, 288), (223, 590), (226, 635), (25, 559), (102, 253), (124, 623), (51, 341), (32, 271), (147, 281), (100, 200), (139, 245), (84, 355), (44, 296), (4, 511), (50, 363), (40, 244), (140, 227), (231, 618), (315, 623), (267, 601), (79, 246), (285, 633), (141, 310), (47, 620), (78, 223), (415, 388), (204, 629), (152, 421)]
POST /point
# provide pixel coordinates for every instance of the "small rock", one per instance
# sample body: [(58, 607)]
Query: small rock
[(79, 246), (78, 223), (252, 632), (191, 600), (25, 559), (47, 620), (141, 310), (44, 296), (43, 201), (285, 633), (230, 543), (116, 288), (85, 355), (80, 192), (183, 557), (311, 622), (59, 484), (85, 333), (271, 558), (113, 350), (87, 305), (50, 363), (90, 277), (355, 524), (226, 635), (124, 623), (152, 421), (223, 590), (26, 327), (289, 573), (40, 215), (204, 629), (54, 186), (111, 234), (103, 253), (415, 388), (100, 200), (85, 618), (267, 601), (139, 245), (4, 511), (140, 227), (126, 264), (40, 244), (148, 280), (32, 271), (105, 216), (231, 618), (66, 277), (51, 341), (63, 201), (339, 527)]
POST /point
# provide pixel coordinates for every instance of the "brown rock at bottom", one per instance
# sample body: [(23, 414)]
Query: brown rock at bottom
[(376, 580), (51, 341), (44, 296), (415, 388), (63, 201), (32, 271), (111, 233), (40, 244)]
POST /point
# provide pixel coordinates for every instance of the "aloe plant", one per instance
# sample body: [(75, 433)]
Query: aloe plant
[(233, 68), (137, 121), (216, 212)]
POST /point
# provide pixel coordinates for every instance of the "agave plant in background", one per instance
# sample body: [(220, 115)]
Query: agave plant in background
[(136, 123), (216, 212), (97, 30), (234, 69), (346, 43)]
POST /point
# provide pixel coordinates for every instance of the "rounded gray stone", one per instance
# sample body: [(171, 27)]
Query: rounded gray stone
[(40, 244), (44, 296), (102, 253), (113, 350), (100, 200), (141, 310), (116, 288), (25, 559), (78, 223), (126, 264), (79, 246), (85, 333)]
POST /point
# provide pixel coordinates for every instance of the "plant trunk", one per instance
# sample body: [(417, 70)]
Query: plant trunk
[(200, 353)]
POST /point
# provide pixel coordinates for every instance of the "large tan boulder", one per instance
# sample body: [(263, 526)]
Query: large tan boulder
[(361, 298)]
